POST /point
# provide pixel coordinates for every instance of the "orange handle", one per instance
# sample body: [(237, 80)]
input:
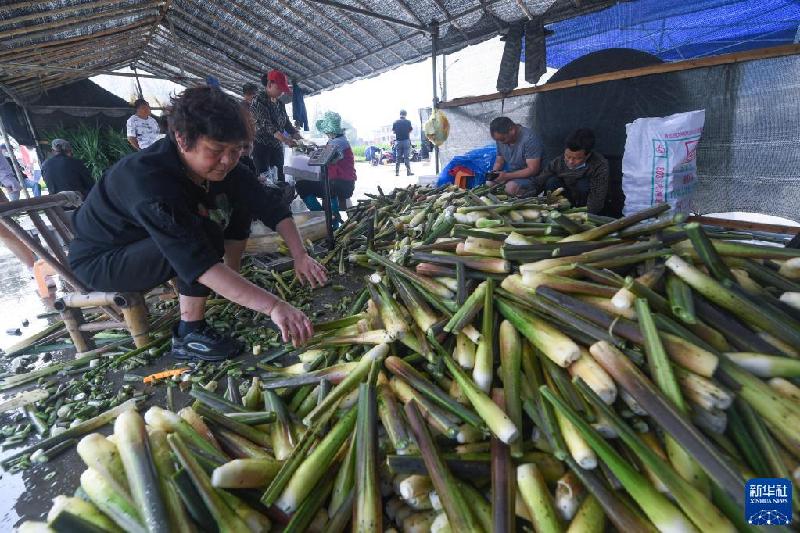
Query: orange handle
[(165, 374)]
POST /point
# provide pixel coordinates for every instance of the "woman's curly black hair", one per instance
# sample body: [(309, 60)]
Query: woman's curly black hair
[(206, 111)]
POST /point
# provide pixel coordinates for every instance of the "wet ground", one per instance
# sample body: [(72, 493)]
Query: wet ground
[(27, 495), (19, 302)]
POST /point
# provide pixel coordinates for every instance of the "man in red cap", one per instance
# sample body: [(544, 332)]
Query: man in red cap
[(273, 127)]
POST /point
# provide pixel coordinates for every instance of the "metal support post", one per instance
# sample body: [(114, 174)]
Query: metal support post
[(326, 204), (434, 51)]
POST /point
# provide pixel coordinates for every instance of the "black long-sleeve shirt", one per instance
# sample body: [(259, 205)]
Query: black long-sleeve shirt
[(148, 195), (64, 173), (270, 117), (595, 170)]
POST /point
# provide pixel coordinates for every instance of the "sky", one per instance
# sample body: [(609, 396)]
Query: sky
[(371, 103)]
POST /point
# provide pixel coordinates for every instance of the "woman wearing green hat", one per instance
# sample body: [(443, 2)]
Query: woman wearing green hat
[(341, 172)]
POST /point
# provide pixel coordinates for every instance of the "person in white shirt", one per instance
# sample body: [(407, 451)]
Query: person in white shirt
[(143, 129)]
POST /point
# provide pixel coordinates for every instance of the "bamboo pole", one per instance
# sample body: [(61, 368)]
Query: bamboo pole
[(19, 207), (134, 311), (101, 326), (51, 12), (73, 319), (90, 37), (49, 238), (40, 250), (28, 33), (70, 51), (59, 224), (90, 299)]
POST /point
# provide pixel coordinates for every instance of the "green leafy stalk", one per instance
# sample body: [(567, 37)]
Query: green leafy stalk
[(455, 505), (693, 502), (367, 512), (664, 515)]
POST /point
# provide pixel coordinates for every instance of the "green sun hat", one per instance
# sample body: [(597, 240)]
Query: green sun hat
[(330, 122)]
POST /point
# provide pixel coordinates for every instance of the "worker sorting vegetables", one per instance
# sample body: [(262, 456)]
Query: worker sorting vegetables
[(182, 209)]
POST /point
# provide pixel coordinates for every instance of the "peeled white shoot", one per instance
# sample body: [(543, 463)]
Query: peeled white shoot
[(440, 524), (199, 425), (562, 350), (785, 388), (703, 392), (99, 453), (419, 522), (595, 376), (791, 298), (606, 305), (568, 496), (766, 366), (142, 480), (412, 486), (81, 508), (689, 355), (245, 474), (517, 239), (790, 268), (465, 351), (495, 418), (482, 371), (578, 448), (472, 333), (623, 299), (544, 265), (478, 246), (450, 283)]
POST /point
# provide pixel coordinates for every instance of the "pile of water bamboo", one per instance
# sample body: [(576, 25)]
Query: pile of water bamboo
[(509, 363)]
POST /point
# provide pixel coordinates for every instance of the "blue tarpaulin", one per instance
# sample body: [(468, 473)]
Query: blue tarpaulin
[(480, 161), (674, 31)]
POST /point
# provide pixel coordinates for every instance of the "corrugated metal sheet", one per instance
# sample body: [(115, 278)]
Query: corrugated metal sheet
[(319, 45)]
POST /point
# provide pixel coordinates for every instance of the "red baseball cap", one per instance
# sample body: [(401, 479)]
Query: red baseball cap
[(279, 78)]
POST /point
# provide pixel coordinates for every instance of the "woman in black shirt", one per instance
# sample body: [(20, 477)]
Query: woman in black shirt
[(176, 210)]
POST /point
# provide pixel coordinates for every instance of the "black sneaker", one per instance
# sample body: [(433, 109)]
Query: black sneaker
[(205, 344)]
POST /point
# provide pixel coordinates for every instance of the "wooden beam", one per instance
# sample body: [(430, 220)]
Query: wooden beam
[(25, 34), (90, 37), (78, 57), (70, 49), (87, 72), (745, 225), (56, 11), (24, 81), (662, 68), (48, 15), (154, 29)]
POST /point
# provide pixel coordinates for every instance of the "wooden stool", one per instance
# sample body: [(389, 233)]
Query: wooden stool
[(134, 313), (124, 310)]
